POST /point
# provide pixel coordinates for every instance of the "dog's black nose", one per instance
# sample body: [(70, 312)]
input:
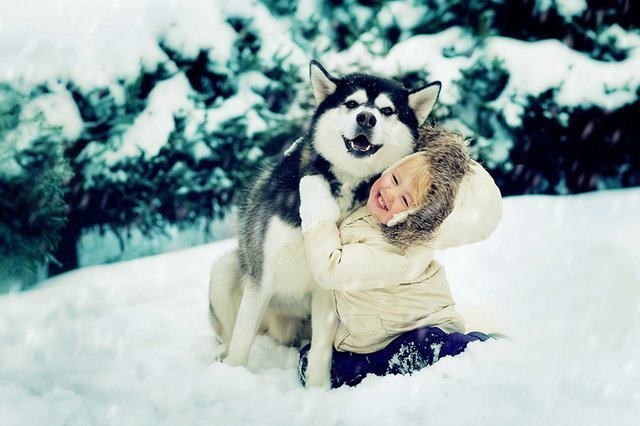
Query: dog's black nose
[(366, 120)]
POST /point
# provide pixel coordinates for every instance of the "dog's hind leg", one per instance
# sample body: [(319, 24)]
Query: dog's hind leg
[(323, 330), (225, 293), (252, 308), (287, 330)]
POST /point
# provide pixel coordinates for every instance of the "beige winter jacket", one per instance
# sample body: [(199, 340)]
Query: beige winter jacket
[(380, 291)]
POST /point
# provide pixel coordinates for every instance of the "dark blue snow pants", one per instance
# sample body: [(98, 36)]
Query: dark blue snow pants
[(407, 353)]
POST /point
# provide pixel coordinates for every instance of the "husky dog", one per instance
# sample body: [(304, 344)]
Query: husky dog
[(361, 126)]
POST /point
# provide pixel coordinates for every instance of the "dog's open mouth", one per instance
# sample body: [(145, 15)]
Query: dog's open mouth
[(360, 146)]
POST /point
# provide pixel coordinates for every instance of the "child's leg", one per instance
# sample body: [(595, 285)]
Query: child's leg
[(457, 342), (347, 368), (406, 354), (416, 349)]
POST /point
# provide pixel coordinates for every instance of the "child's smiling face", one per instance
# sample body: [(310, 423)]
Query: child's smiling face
[(394, 191)]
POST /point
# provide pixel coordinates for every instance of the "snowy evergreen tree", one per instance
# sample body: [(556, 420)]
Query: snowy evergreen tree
[(32, 175), (553, 148), (173, 145), (192, 173)]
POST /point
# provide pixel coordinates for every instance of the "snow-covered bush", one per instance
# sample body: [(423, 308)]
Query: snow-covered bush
[(566, 150), (128, 172), (32, 175), (165, 123)]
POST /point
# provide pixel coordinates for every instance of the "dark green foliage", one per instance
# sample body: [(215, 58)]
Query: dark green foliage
[(194, 176), (563, 150), (32, 208), (481, 83), (474, 15), (182, 184), (246, 46), (10, 107), (104, 117), (281, 7), (525, 20), (557, 149), (280, 93), (415, 80), (138, 91), (520, 19), (392, 33), (178, 187), (347, 20), (208, 80), (32, 213)]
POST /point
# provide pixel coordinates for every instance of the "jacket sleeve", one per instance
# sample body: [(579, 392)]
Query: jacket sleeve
[(359, 266)]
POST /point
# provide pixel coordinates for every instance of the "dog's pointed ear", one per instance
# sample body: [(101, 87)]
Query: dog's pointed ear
[(322, 83), (423, 100)]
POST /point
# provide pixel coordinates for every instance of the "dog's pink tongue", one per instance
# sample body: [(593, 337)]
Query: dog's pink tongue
[(361, 143)]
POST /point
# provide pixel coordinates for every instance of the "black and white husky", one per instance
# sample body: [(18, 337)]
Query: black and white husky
[(362, 125)]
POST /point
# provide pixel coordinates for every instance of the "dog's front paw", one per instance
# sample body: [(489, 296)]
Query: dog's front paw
[(234, 361), (220, 353), (318, 379), (317, 204)]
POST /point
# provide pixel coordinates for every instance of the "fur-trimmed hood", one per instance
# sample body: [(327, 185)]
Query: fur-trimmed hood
[(462, 205)]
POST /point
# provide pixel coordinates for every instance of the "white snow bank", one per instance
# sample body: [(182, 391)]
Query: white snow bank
[(151, 129), (566, 8), (418, 53), (58, 110), (95, 43), (89, 42), (130, 343), (101, 43), (535, 67)]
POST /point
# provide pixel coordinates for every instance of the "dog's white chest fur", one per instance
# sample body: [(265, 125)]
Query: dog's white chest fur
[(285, 268), (346, 197)]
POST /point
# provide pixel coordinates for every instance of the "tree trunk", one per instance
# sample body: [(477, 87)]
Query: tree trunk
[(67, 252)]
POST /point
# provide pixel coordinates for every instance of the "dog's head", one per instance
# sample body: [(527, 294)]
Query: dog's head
[(365, 123)]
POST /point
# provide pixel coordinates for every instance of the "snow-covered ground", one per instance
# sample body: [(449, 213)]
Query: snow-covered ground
[(130, 343)]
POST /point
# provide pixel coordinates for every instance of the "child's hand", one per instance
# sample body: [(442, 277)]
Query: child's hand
[(316, 202)]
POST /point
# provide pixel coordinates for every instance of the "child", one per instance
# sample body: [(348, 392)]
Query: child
[(391, 297)]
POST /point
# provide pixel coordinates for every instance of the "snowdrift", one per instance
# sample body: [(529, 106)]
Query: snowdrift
[(131, 344)]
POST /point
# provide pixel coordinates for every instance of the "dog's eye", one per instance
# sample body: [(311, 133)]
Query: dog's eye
[(351, 104), (387, 111)]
